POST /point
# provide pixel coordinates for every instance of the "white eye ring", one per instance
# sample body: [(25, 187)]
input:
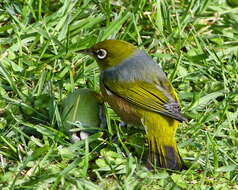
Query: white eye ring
[(101, 54)]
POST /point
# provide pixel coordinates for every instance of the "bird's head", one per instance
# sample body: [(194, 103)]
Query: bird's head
[(110, 53)]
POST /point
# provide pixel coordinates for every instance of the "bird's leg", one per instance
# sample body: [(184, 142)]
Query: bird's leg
[(102, 116)]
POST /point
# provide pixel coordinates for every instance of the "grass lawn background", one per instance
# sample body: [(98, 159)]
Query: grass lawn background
[(196, 43)]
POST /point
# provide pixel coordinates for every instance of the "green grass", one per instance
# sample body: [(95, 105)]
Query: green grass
[(194, 41)]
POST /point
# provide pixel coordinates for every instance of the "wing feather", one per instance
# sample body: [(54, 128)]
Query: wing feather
[(146, 96)]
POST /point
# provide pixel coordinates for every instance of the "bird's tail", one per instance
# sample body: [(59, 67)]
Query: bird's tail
[(163, 151)]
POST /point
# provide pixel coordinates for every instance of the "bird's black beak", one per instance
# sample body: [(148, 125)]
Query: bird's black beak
[(86, 51)]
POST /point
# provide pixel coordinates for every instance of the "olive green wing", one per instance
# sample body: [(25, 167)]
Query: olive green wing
[(149, 96)]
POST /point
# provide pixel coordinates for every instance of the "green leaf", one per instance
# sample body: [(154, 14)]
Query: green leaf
[(178, 180), (228, 168)]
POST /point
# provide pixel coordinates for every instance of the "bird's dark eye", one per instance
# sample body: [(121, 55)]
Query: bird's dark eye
[(101, 54)]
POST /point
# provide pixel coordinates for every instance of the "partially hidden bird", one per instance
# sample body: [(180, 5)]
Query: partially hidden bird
[(137, 89)]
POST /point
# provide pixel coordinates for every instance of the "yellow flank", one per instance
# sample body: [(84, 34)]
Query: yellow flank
[(161, 134)]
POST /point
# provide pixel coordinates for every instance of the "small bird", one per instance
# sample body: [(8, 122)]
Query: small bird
[(138, 90), (77, 111)]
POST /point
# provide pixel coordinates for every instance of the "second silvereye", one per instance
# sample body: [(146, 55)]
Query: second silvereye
[(138, 90), (83, 110)]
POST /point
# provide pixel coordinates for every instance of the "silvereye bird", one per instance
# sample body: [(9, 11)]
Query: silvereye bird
[(85, 108), (138, 90)]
